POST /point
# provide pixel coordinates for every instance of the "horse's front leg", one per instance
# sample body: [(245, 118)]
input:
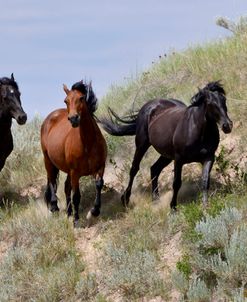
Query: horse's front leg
[(67, 190), (76, 196), (176, 183), (207, 166), (95, 211)]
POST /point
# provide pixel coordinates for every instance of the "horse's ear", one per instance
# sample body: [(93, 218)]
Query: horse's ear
[(66, 89), (12, 76)]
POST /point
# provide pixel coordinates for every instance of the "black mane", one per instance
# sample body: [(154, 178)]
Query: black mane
[(199, 98), (91, 99), (215, 86), (8, 81)]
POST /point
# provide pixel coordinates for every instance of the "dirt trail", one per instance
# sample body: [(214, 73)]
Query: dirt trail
[(86, 240)]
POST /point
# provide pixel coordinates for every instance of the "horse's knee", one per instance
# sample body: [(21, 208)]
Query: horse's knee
[(47, 195), (76, 197), (99, 183), (177, 184)]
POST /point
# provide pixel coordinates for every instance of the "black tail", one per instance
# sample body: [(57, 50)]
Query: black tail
[(113, 126)]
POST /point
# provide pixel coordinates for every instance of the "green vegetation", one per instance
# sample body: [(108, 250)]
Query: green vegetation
[(131, 253), (42, 262), (142, 252)]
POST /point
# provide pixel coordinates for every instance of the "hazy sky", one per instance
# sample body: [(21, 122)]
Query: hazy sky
[(51, 42)]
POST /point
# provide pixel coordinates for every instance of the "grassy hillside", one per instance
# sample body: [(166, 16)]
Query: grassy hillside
[(143, 253)]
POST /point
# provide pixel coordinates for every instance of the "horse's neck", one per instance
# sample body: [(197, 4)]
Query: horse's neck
[(87, 129), (197, 115), (5, 123), (200, 125)]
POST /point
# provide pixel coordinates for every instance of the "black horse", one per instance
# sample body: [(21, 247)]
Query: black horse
[(10, 107), (180, 133)]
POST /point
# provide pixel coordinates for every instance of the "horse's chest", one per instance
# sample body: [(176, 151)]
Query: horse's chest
[(82, 159)]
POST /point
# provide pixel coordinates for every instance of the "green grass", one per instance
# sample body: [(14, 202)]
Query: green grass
[(24, 167), (131, 255), (41, 263)]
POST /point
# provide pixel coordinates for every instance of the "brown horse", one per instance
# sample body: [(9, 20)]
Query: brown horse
[(72, 142), (180, 133)]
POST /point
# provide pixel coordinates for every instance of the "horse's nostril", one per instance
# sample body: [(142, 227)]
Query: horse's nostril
[(22, 119), (74, 120), (227, 127)]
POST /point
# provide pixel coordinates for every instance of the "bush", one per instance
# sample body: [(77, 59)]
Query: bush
[(131, 272), (217, 258)]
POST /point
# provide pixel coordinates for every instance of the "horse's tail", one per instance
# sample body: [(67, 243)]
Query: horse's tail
[(118, 126)]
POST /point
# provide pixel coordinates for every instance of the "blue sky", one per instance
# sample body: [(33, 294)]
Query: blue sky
[(51, 42)]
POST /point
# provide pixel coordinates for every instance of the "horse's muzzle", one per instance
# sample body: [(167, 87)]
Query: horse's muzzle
[(21, 119), (227, 127), (75, 120)]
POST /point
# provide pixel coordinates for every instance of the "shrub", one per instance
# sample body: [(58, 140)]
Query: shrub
[(217, 258), (131, 272)]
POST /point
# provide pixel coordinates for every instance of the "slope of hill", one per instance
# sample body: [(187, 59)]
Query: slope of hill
[(143, 253)]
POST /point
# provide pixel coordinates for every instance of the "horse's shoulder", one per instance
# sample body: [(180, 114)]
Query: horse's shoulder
[(55, 116)]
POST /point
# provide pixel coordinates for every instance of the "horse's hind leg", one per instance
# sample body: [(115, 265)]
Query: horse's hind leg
[(51, 188), (156, 169), (67, 190), (141, 149)]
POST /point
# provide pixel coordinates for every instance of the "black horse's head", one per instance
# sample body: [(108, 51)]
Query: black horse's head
[(213, 95), (217, 110), (10, 102)]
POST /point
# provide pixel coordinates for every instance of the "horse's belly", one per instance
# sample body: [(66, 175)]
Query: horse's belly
[(162, 141), (161, 130), (165, 150)]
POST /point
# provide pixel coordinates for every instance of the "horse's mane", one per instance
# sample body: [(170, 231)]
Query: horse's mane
[(215, 86), (198, 98), (8, 81), (91, 99)]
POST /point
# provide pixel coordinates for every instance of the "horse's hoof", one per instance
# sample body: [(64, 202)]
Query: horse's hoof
[(95, 211), (125, 201), (90, 218), (76, 224), (155, 197), (54, 209), (173, 211)]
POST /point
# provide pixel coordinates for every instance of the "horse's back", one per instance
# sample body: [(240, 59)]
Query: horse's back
[(149, 112)]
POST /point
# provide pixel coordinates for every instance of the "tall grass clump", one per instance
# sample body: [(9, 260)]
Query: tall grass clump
[(41, 263), (130, 265), (216, 257), (24, 166)]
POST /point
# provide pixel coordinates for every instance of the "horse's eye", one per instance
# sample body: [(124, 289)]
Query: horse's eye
[(66, 102), (82, 98)]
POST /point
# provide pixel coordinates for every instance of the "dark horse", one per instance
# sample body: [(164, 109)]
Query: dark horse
[(10, 107), (180, 133), (72, 142)]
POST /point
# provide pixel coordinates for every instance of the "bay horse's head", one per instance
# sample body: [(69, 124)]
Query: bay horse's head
[(79, 100), (10, 102), (213, 94)]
